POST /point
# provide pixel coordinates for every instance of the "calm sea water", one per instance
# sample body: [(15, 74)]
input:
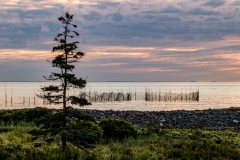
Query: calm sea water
[(212, 95)]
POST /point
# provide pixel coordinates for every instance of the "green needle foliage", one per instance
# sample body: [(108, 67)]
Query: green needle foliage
[(57, 94), (64, 61)]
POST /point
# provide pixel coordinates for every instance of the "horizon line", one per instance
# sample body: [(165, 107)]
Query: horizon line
[(124, 81)]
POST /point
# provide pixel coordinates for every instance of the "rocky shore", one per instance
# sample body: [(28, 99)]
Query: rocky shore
[(211, 118)]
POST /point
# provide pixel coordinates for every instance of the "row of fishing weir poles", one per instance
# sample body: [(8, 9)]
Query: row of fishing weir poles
[(169, 96), (118, 96), (26, 101), (149, 96)]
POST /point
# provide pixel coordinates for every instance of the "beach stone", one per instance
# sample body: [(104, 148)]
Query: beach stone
[(235, 121)]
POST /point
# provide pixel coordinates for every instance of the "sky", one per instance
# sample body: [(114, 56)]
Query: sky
[(124, 40)]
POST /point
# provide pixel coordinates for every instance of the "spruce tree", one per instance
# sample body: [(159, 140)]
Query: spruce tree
[(57, 94), (64, 61)]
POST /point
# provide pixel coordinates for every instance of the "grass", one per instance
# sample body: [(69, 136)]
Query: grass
[(17, 143), (175, 144), (15, 134)]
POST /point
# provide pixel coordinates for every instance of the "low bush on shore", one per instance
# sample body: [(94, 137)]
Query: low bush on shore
[(117, 129), (151, 142), (26, 115)]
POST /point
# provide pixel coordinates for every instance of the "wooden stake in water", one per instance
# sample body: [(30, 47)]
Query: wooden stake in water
[(11, 97), (5, 95), (159, 95), (198, 95), (34, 102), (89, 98), (135, 94)]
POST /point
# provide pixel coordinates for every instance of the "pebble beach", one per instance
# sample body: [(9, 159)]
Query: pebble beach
[(204, 119)]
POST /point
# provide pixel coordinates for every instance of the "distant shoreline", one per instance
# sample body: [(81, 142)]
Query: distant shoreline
[(128, 81)]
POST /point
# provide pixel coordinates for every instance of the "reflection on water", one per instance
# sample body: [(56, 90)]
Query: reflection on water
[(212, 95)]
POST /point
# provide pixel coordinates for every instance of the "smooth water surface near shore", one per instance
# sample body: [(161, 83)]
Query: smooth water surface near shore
[(212, 95)]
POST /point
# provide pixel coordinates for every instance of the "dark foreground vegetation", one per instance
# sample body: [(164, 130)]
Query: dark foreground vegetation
[(24, 136)]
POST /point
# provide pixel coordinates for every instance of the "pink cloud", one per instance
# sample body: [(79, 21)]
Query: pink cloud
[(139, 70), (21, 54)]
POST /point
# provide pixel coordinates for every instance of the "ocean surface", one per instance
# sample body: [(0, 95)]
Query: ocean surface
[(15, 95)]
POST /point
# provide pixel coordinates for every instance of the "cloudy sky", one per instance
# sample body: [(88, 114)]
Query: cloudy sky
[(125, 40)]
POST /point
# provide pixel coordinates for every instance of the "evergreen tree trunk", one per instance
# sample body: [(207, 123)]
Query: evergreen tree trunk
[(64, 139), (65, 70), (57, 94)]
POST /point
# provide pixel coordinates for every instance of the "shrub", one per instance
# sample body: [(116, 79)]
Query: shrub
[(27, 115), (7, 117), (18, 116), (119, 129), (151, 128), (84, 134), (3, 112), (37, 113), (75, 128)]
